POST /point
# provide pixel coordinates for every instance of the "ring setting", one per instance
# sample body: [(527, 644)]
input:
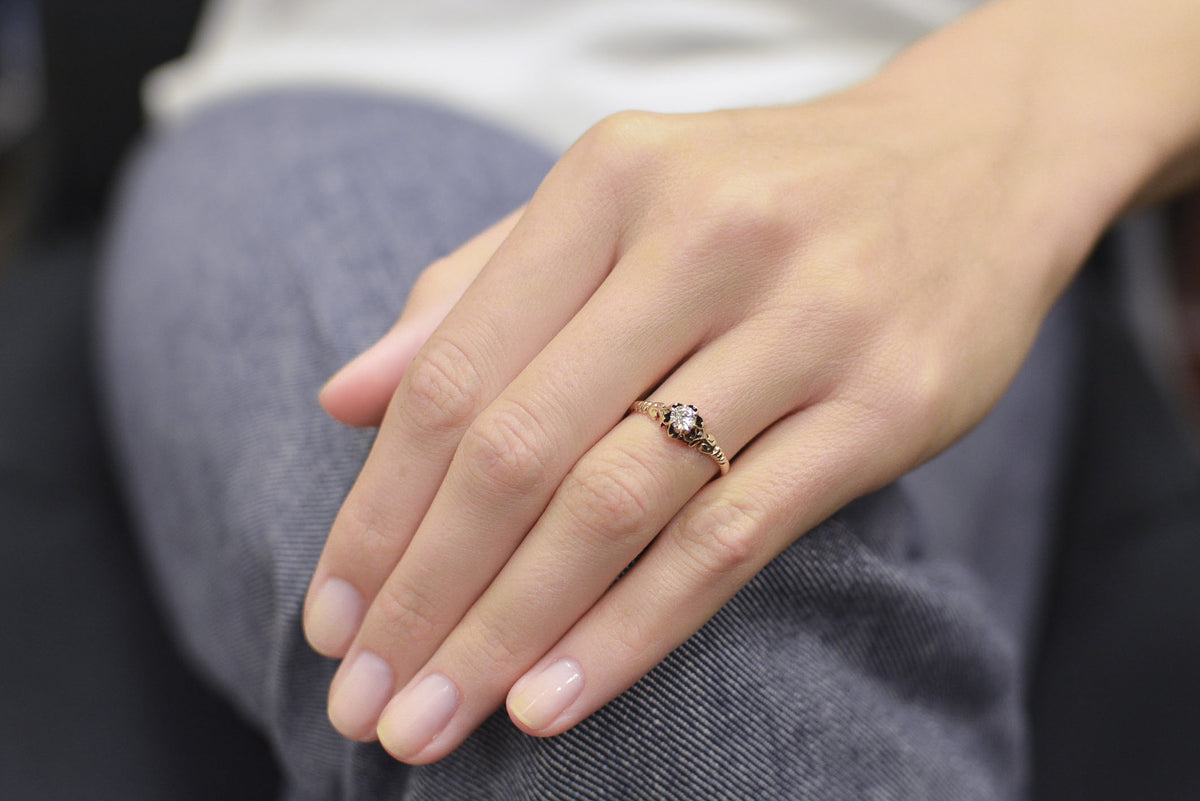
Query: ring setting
[(684, 423)]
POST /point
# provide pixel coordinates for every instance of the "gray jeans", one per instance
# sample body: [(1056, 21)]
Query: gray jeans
[(262, 243)]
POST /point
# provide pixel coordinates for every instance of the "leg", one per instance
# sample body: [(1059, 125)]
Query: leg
[(256, 249), (263, 244)]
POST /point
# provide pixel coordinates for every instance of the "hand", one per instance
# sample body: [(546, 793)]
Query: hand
[(842, 288)]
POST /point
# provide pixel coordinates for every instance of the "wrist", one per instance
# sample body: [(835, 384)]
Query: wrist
[(1088, 106)]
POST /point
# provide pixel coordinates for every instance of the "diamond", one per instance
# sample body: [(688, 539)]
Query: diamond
[(683, 418)]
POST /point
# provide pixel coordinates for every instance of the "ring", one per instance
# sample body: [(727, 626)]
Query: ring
[(683, 423)]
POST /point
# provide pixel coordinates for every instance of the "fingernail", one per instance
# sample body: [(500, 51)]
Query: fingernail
[(538, 700), (333, 617), (360, 696), (416, 716)]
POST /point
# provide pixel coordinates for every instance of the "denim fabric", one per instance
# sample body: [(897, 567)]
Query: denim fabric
[(259, 245)]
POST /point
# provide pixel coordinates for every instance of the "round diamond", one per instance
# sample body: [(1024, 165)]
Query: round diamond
[(683, 418)]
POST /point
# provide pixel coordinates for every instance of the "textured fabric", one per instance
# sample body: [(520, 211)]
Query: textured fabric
[(263, 243)]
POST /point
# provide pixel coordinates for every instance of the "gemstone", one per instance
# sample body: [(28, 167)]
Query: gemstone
[(683, 418)]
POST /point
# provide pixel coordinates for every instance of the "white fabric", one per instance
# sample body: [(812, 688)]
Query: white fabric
[(548, 68)]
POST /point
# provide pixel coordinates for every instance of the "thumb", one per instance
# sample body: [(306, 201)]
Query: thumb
[(359, 393)]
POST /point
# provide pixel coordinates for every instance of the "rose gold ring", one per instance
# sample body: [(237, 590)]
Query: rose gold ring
[(683, 423)]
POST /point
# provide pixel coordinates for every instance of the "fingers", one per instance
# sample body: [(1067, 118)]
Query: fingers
[(507, 466), (359, 393), (612, 503), (572, 228), (794, 476), (597, 525), (479, 348)]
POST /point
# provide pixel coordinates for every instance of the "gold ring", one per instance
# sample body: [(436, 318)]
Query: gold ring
[(683, 423)]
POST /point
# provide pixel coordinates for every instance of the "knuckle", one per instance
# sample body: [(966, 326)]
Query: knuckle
[(626, 146), (611, 495), (732, 226), (373, 533), (925, 401), (508, 448), (632, 635), (911, 392), (443, 389), (408, 614), (734, 221), (915, 395), (494, 651), (738, 211), (720, 537)]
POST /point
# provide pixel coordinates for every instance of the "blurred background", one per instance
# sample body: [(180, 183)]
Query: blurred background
[(97, 704)]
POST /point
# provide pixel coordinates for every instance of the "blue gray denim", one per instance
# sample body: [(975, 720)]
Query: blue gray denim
[(260, 244)]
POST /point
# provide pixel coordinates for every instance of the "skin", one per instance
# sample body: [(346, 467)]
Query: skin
[(843, 288)]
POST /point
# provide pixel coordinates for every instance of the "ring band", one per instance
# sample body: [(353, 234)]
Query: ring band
[(683, 423)]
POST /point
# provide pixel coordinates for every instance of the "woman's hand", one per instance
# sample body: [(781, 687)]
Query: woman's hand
[(841, 288)]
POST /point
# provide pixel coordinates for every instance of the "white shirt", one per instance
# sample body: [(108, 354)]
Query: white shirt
[(546, 68)]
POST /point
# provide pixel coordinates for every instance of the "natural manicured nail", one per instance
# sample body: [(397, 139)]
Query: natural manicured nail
[(417, 715), (333, 617), (537, 700), (360, 695)]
